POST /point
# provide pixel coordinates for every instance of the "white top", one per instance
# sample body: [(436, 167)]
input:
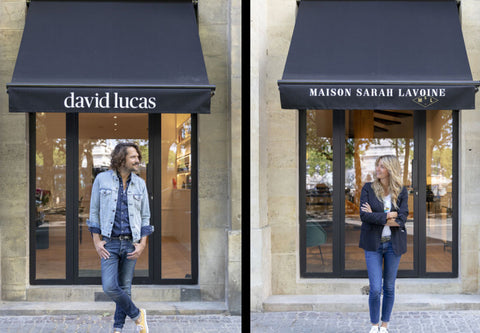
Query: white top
[(387, 206)]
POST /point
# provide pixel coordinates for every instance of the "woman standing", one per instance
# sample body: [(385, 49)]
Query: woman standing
[(383, 211)]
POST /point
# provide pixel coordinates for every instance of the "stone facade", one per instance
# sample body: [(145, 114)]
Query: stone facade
[(274, 198), (14, 175), (219, 170)]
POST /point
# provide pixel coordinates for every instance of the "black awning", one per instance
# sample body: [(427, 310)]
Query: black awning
[(363, 54), (110, 56)]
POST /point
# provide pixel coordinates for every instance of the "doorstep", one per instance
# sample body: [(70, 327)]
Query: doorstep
[(14, 308), (359, 303), (90, 293)]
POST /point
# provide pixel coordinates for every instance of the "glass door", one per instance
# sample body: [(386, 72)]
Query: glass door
[(49, 222), (368, 135), (176, 184), (440, 201), (98, 135)]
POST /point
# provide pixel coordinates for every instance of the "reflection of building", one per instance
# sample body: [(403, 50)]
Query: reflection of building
[(101, 155)]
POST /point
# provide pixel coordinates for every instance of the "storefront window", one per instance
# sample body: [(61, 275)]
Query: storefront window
[(176, 196), (71, 150), (439, 204), (319, 188), (338, 150), (98, 135), (50, 196), (370, 134)]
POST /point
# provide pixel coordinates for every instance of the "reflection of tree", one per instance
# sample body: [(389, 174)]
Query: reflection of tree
[(319, 149), (50, 157), (354, 149), (440, 140), (402, 147), (143, 146), (320, 157), (85, 147), (406, 162)]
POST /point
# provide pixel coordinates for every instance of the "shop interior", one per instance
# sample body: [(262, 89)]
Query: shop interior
[(369, 134), (98, 134)]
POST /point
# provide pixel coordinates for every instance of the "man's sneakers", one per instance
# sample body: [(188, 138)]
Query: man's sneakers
[(141, 322)]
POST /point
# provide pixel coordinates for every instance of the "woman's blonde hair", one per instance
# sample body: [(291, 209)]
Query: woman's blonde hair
[(395, 186)]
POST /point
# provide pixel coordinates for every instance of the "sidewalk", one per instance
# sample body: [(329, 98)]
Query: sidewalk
[(103, 324), (281, 322), (358, 322)]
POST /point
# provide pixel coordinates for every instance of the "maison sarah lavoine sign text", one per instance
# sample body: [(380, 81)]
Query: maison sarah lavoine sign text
[(311, 96)]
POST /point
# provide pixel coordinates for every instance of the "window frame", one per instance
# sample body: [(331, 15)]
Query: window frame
[(419, 185), (154, 188)]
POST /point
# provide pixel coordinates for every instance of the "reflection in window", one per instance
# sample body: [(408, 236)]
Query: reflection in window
[(98, 136), (319, 187), (50, 197), (439, 191), (370, 134), (176, 177)]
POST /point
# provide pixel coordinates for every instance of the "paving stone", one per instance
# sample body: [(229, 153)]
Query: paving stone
[(357, 322), (278, 322), (95, 324)]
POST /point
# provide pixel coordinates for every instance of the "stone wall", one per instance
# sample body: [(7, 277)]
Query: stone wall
[(234, 268), (13, 163), (219, 158), (259, 230), (274, 134), (469, 261), (274, 180), (282, 153), (214, 152)]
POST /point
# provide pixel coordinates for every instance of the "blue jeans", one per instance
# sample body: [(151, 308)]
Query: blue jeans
[(374, 259), (117, 275)]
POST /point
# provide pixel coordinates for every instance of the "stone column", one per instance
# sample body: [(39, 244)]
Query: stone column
[(13, 163), (274, 145), (469, 221), (260, 254), (234, 269), (214, 152), (282, 155)]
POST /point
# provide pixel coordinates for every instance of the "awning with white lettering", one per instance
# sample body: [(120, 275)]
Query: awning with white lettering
[(394, 54), (110, 56)]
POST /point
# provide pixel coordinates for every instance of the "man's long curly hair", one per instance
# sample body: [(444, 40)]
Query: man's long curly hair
[(119, 154)]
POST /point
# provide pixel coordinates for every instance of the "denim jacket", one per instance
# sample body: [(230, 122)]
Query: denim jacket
[(103, 204)]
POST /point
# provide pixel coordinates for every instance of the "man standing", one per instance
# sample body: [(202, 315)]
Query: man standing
[(120, 224)]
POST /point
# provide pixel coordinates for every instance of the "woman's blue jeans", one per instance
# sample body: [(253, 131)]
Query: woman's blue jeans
[(117, 275), (375, 259)]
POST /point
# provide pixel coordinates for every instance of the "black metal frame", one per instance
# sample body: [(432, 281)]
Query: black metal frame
[(153, 183), (419, 186)]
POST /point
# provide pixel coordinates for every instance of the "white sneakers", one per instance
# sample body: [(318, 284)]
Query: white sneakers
[(376, 329)]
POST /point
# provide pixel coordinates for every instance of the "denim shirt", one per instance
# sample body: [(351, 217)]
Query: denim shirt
[(121, 224), (103, 205)]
